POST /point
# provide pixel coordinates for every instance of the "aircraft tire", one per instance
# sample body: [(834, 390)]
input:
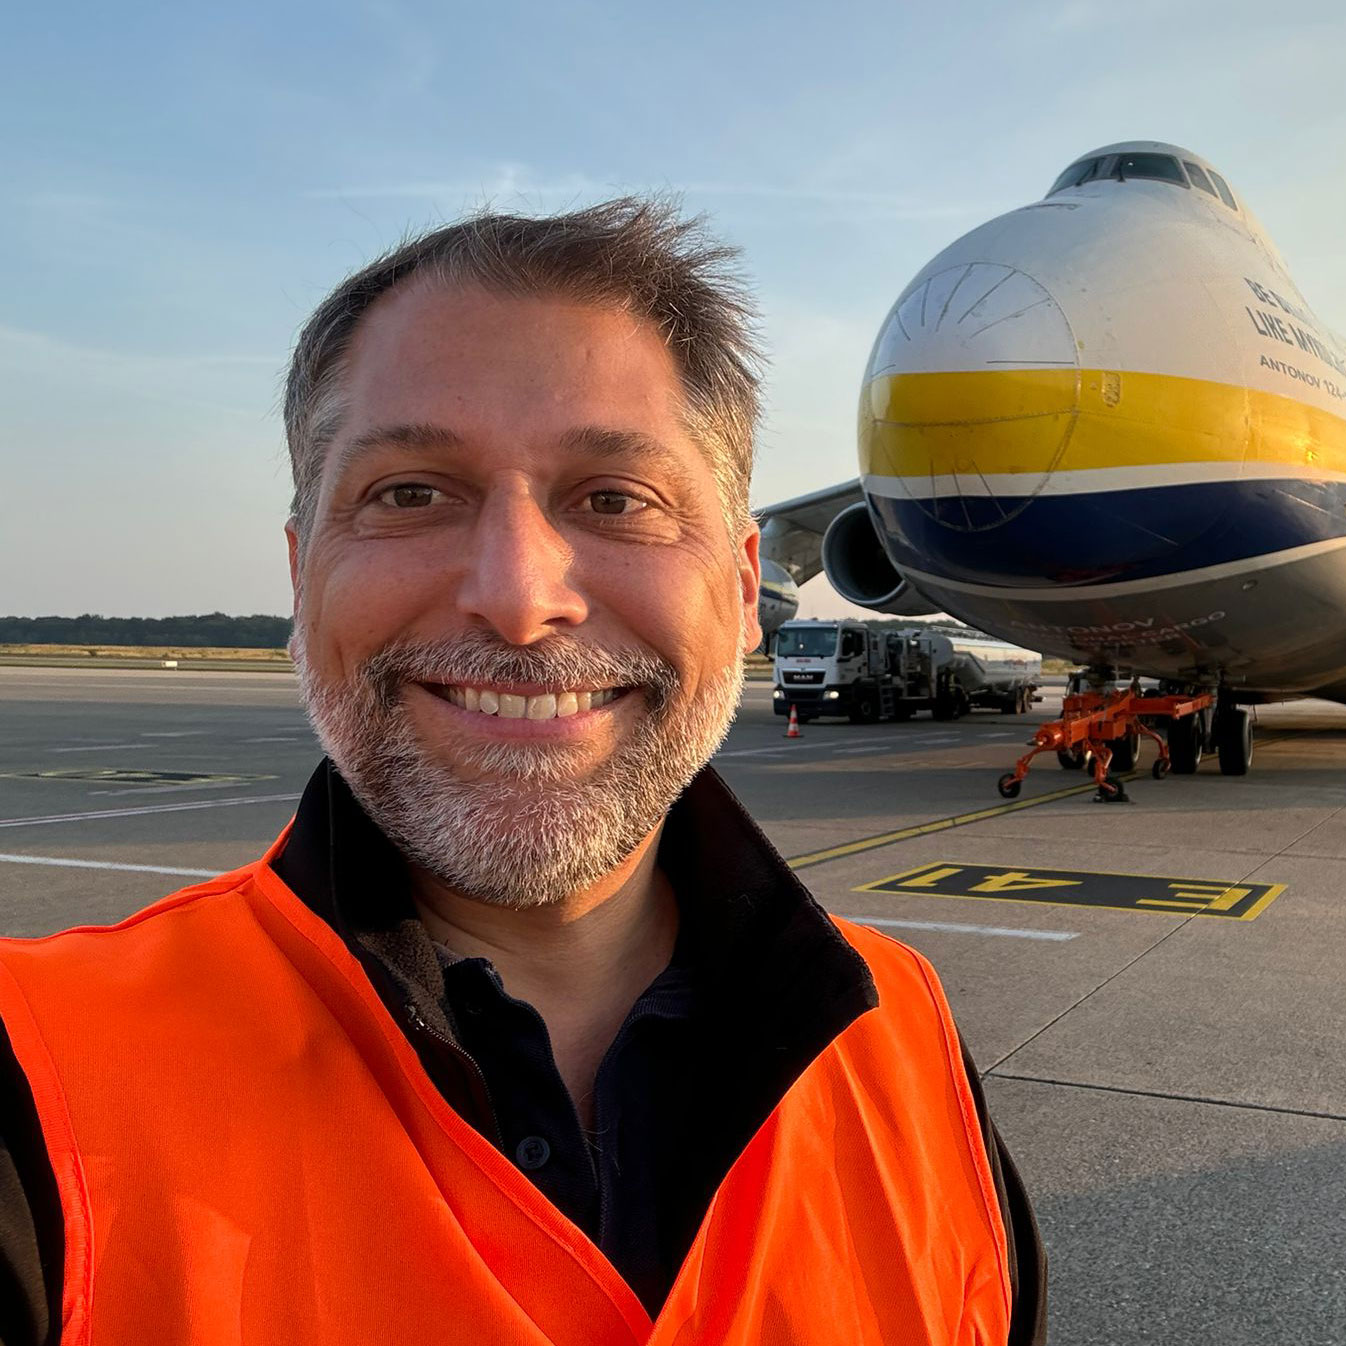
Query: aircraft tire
[(1125, 751), (1185, 741), (1234, 741)]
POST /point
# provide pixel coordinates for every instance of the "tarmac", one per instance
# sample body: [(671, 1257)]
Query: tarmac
[(1163, 1051)]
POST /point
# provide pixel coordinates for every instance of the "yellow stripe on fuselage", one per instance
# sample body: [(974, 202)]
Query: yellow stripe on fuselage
[(1036, 421)]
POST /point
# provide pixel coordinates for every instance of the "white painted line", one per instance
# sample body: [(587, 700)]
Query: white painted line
[(171, 789), (172, 733), (149, 808), (63, 862), (104, 747), (958, 928), (276, 738), (855, 752)]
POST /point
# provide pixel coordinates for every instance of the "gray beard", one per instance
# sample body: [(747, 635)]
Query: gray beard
[(530, 831)]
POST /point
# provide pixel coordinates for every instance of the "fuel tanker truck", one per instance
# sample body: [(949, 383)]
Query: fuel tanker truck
[(870, 671)]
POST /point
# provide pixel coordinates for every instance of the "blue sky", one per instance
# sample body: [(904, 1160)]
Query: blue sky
[(180, 186)]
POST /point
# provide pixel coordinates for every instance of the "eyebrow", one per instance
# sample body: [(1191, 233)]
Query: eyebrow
[(590, 440), (412, 435), (602, 442)]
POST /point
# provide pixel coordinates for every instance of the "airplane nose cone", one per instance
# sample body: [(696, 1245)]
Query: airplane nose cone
[(970, 398)]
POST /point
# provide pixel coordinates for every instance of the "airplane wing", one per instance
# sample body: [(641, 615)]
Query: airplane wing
[(792, 531)]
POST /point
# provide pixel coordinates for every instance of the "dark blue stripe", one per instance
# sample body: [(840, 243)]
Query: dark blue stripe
[(1108, 536)]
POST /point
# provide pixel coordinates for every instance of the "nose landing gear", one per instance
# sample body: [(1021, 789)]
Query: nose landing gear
[(1233, 739)]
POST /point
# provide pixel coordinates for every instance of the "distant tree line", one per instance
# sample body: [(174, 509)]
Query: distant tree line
[(258, 632)]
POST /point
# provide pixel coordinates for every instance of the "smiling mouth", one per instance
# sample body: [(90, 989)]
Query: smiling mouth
[(518, 706)]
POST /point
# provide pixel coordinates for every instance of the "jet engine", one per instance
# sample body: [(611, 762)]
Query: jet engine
[(779, 597), (858, 568)]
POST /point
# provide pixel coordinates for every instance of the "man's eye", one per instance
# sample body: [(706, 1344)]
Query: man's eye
[(409, 495), (614, 502)]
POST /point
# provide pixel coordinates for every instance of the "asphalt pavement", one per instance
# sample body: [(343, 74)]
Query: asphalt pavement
[(1154, 991)]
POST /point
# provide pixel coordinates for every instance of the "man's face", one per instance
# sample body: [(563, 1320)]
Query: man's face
[(520, 619)]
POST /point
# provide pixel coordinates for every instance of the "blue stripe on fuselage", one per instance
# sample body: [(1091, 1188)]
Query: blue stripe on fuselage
[(1109, 536)]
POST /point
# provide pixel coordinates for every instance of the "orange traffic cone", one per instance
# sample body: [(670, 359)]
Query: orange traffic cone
[(792, 730)]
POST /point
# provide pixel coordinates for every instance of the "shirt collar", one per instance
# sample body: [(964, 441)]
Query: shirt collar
[(764, 951)]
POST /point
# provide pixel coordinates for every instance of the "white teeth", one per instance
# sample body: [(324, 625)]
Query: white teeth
[(513, 706)]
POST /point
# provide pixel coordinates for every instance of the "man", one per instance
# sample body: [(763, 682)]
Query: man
[(522, 1032)]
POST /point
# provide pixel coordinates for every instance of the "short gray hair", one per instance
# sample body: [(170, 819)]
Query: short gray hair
[(638, 255)]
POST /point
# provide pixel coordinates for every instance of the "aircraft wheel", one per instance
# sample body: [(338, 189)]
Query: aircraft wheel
[(1125, 750), (1234, 741), (1185, 738), (1009, 786)]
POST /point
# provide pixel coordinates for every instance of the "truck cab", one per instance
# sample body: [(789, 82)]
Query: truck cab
[(829, 668)]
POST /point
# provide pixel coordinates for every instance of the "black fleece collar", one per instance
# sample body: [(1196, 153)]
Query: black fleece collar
[(779, 977)]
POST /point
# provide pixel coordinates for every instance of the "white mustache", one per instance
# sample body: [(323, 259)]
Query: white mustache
[(477, 658)]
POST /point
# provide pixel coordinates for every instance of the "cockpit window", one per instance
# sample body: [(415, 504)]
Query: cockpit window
[(1160, 167), (1074, 175), (1222, 187), (1119, 167), (1145, 164), (1198, 176)]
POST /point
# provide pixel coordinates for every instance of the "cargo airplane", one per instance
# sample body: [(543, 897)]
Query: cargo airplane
[(1106, 425)]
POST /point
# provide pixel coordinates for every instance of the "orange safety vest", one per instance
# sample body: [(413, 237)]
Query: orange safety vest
[(248, 1151)]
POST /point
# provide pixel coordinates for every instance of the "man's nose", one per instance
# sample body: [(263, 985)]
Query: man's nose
[(517, 577)]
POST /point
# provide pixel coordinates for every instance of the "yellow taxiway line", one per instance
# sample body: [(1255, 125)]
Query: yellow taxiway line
[(863, 844)]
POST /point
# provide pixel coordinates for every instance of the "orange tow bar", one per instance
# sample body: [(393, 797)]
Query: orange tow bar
[(1091, 722)]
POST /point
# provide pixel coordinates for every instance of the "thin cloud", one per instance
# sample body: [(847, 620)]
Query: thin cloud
[(157, 378), (512, 180)]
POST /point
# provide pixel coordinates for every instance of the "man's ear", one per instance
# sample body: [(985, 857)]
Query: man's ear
[(292, 542), (750, 582)]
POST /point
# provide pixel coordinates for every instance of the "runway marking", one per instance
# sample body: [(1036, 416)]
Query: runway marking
[(172, 733), (139, 791), (94, 815), (274, 738), (64, 862), (105, 747), (130, 776), (959, 928), (1083, 888), (863, 844)]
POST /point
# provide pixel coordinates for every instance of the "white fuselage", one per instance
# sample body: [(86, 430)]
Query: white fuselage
[(1107, 425)]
